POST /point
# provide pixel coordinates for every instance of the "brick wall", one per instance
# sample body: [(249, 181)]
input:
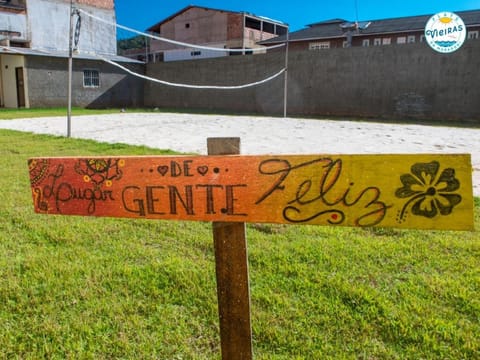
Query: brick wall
[(103, 4), (235, 26)]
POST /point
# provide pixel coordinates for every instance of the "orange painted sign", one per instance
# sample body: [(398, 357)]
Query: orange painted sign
[(410, 191)]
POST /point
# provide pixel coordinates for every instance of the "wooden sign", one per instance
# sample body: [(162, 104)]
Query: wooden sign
[(406, 191)]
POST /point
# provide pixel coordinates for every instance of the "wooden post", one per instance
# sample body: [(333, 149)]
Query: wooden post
[(232, 274)]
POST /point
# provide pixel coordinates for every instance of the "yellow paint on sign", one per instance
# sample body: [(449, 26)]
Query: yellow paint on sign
[(405, 191)]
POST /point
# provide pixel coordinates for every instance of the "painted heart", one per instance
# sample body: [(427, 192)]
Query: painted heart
[(202, 170), (162, 169)]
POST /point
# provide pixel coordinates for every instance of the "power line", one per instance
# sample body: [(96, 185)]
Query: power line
[(220, 87), (179, 42), (168, 83)]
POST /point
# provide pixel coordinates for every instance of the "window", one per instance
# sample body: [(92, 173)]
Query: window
[(401, 40), (411, 39), (386, 41), (91, 78), (269, 27), (319, 45), (281, 30), (422, 38), (14, 4), (187, 26), (473, 34), (252, 23), (377, 42), (366, 42)]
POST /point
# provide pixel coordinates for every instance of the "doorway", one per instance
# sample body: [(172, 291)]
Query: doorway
[(20, 87)]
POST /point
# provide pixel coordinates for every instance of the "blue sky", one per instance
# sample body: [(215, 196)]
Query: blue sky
[(141, 14)]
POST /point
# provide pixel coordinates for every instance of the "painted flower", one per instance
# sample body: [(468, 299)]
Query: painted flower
[(430, 193), (100, 171)]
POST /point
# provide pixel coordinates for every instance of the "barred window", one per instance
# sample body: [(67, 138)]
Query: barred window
[(472, 35), (319, 45), (91, 78)]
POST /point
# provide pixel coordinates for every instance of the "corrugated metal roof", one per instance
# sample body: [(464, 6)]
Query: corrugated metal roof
[(63, 54), (332, 28)]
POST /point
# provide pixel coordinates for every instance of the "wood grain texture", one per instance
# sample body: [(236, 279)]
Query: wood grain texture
[(231, 263), (405, 191)]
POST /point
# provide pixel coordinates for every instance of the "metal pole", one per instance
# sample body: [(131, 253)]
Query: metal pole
[(285, 84), (70, 68), (243, 34), (146, 50)]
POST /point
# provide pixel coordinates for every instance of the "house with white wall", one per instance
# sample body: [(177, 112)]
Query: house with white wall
[(34, 51)]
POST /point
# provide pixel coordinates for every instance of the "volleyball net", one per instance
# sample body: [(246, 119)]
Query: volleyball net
[(139, 46)]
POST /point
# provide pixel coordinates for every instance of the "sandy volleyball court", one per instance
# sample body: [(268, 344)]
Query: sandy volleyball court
[(262, 135)]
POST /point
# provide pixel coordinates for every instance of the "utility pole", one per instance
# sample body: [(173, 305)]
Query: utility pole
[(70, 69), (285, 85)]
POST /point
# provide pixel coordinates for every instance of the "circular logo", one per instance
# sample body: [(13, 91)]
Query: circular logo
[(445, 32)]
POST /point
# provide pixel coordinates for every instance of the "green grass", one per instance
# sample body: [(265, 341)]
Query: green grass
[(8, 114), (100, 288)]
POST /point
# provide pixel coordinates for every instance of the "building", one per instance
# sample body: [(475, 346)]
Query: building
[(44, 25), (34, 51), (340, 33), (211, 28)]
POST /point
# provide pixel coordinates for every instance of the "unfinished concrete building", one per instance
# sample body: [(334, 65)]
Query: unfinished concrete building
[(213, 28)]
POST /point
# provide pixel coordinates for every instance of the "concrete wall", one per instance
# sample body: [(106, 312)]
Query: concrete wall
[(392, 82), (49, 24), (397, 81), (48, 84), (15, 22), (231, 70)]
